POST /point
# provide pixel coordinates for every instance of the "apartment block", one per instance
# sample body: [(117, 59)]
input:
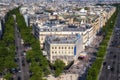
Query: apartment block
[(65, 48)]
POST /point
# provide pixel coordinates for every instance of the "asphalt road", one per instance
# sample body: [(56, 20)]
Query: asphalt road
[(23, 72), (111, 65)]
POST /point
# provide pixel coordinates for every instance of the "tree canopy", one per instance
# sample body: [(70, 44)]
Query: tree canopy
[(59, 66)]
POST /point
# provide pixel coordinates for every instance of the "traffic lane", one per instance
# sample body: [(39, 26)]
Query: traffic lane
[(18, 47), (18, 51), (25, 68), (20, 62), (105, 71), (24, 64), (114, 73), (108, 71), (111, 75)]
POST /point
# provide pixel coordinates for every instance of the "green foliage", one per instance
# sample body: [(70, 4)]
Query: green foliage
[(7, 45), (39, 65), (37, 72), (59, 67), (107, 30), (8, 76)]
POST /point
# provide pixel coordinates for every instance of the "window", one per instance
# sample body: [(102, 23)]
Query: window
[(71, 47), (52, 47), (68, 47), (41, 38), (52, 52), (59, 47)]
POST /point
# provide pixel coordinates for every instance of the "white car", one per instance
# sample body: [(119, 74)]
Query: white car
[(24, 54), (19, 71), (108, 67)]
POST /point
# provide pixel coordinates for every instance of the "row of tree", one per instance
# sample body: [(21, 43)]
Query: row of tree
[(39, 64), (7, 47), (107, 30)]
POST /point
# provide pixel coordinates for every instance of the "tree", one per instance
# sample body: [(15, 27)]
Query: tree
[(8, 76), (59, 67), (37, 71)]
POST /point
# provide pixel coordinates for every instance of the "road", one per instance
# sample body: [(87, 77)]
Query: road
[(23, 72), (111, 65)]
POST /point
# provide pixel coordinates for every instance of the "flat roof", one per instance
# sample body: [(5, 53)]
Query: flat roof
[(71, 39), (62, 27)]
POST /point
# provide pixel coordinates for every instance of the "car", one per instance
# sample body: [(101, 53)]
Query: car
[(113, 62), (92, 59), (104, 63), (28, 61), (19, 71), (112, 69), (80, 58), (24, 53), (111, 52), (30, 73), (19, 78), (108, 67), (94, 53), (16, 59), (13, 70), (18, 36), (23, 64), (114, 56)]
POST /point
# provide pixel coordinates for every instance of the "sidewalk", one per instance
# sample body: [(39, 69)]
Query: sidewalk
[(64, 77)]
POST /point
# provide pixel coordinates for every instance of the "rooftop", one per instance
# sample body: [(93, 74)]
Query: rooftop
[(76, 28), (71, 39), (62, 27)]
